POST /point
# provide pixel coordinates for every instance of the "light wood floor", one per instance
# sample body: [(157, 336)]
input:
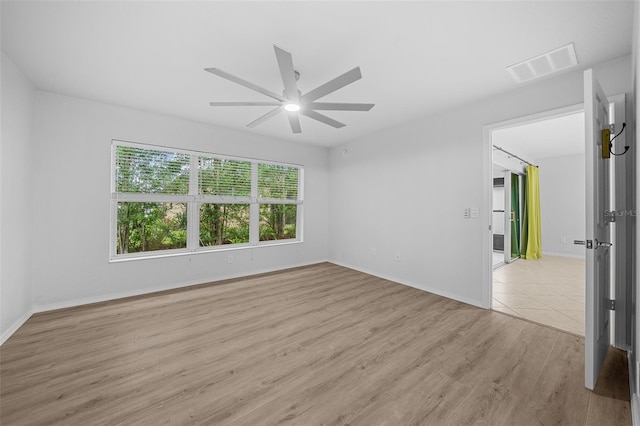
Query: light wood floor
[(315, 345), (549, 291)]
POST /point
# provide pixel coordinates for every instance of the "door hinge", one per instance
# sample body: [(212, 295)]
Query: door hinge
[(612, 304)]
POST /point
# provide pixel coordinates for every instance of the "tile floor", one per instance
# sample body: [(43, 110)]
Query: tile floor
[(549, 291), (498, 259)]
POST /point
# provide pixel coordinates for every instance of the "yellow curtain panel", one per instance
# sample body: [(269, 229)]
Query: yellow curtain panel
[(531, 243)]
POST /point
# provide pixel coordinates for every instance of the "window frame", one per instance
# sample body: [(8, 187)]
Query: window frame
[(193, 200)]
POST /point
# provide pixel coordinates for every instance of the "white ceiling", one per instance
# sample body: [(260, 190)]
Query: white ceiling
[(416, 57), (548, 138)]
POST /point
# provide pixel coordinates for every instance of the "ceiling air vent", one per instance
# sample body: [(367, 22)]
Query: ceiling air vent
[(545, 64)]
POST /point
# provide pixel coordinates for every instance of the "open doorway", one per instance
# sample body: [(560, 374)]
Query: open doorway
[(508, 212), (549, 290)]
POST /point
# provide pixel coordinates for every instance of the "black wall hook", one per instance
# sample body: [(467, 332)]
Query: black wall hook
[(626, 148)]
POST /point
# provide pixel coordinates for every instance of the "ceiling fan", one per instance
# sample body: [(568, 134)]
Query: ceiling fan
[(292, 101)]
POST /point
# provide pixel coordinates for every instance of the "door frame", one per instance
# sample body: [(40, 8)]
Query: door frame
[(508, 202), (506, 220), (621, 269), (487, 200), (507, 217)]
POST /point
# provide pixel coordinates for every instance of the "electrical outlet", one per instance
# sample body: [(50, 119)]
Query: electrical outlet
[(563, 240), (474, 212), (230, 259)]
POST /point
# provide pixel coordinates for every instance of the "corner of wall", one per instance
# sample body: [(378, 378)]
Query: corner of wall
[(16, 153), (15, 326)]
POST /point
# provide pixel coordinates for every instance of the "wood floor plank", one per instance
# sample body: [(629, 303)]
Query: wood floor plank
[(559, 396), (317, 345)]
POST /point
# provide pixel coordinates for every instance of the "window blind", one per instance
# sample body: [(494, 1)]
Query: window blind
[(147, 171), (277, 182), (218, 176)]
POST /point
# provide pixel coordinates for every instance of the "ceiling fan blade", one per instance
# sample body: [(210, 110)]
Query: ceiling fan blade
[(322, 118), (294, 121), (285, 63), (217, 104), (245, 83), (265, 117), (333, 85), (338, 106)]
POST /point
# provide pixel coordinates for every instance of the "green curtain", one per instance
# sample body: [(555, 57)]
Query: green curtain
[(531, 243), (515, 216)]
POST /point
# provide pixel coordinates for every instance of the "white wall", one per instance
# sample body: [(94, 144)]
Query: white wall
[(562, 204), (72, 172), (403, 191), (16, 179)]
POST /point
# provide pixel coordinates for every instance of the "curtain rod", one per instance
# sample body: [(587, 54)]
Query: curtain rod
[(513, 155)]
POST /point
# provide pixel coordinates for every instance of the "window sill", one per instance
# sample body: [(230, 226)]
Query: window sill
[(184, 252)]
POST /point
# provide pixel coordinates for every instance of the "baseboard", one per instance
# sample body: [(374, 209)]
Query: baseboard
[(412, 284), (149, 290), (15, 326)]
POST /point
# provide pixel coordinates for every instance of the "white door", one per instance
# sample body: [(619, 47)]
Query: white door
[(598, 235)]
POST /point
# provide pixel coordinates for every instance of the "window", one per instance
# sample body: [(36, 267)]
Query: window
[(278, 191), (167, 201)]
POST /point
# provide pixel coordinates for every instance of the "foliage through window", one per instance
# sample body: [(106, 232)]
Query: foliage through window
[(172, 201), (224, 224), (277, 221), (151, 226)]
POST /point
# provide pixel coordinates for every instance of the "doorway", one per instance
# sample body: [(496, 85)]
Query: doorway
[(549, 290), (507, 214)]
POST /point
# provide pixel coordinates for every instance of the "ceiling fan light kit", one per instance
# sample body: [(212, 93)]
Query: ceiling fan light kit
[(292, 100)]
